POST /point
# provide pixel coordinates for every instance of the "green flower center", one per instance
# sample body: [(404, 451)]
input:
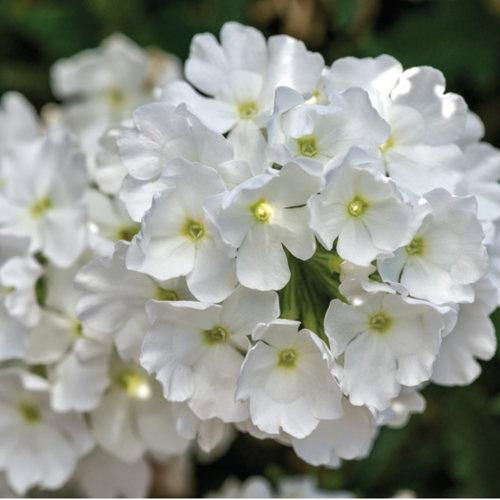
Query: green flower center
[(357, 207), (287, 358), (116, 97), (216, 335), (308, 146), (29, 411), (127, 232), (262, 211), (194, 230), (134, 384), (247, 110), (40, 206), (77, 329), (380, 322), (164, 294), (416, 246)]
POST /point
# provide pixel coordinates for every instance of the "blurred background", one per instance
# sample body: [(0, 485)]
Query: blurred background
[(453, 449)]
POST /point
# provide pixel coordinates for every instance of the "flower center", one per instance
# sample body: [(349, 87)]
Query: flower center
[(40, 206), (387, 145), (29, 411), (287, 358), (216, 335), (247, 110), (134, 384), (262, 211), (116, 97), (307, 146), (194, 230), (164, 294), (380, 322), (77, 329), (127, 232), (357, 207), (416, 246)]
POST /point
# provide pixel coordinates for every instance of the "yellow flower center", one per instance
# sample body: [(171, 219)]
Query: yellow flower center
[(164, 294), (29, 411), (380, 322), (116, 97), (247, 110), (262, 211), (308, 146), (40, 206), (134, 384), (416, 246), (387, 145), (216, 335), (287, 358), (194, 230), (357, 207), (77, 329)]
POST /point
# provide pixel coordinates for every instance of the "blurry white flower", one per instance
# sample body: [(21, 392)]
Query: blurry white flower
[(134, 418), (43, 197), (101, 475), (38, 447), (102, 86), (456, 363)]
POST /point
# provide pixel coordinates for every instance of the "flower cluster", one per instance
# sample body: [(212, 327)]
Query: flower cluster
[(276, 246)]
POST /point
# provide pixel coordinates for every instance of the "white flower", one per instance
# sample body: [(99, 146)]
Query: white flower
[(19, 273), (108, 222), (38, 447), (386, 340), (242, 74), (315, 135), (163, 133), (261, 216), (59, 331), (252, 487), (493, 246), (109, 171), (103, 85), (18, 121), (363, 212), (482, 176), (100, 475), (43, 197), (306, 487), (80, 377), (348, 437), (114, 299), (195, 349), (420, 154), (134, 418), (446, 255), (287, 381), (402, 407), (473, 337), (178, 237)]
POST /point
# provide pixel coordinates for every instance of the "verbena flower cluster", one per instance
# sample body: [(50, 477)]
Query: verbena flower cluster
[(273, 245)]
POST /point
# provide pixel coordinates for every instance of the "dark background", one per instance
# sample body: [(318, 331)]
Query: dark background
[(453, 449)]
